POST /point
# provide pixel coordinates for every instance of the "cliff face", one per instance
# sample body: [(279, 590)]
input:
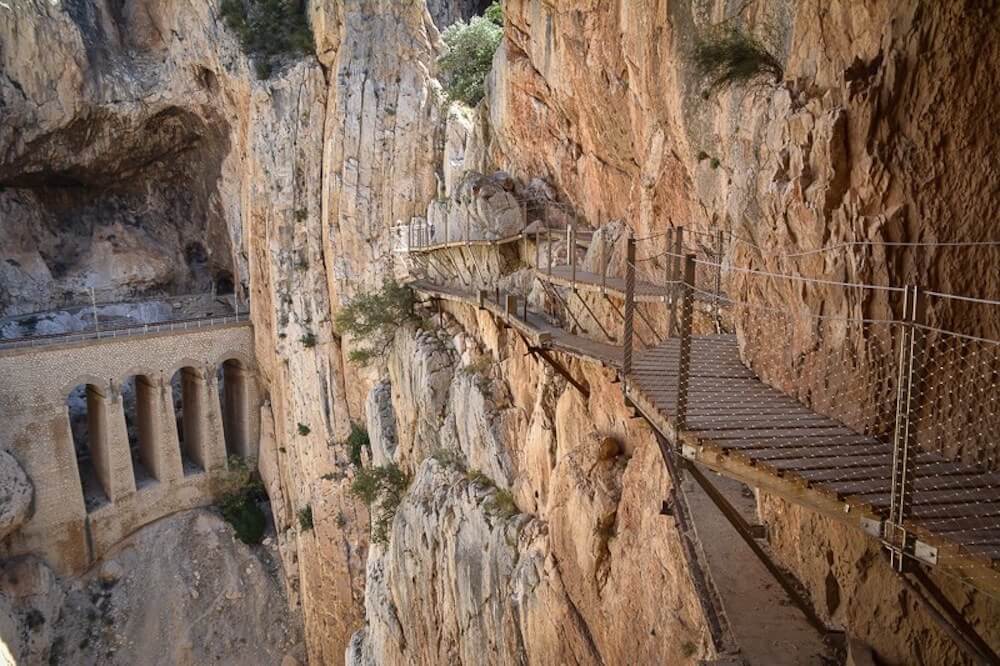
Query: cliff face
[(572, 568), (139, 155)]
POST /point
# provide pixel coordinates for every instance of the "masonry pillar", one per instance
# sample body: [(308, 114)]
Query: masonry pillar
[(215, 436), (159, 447), (204, 441), (236, 410), (108, 441)]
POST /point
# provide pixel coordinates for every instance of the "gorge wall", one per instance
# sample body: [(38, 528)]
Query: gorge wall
[(140, 155)]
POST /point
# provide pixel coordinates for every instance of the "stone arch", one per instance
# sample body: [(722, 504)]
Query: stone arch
[(187, 362), (234, 397), (234, 355), (84, 379)]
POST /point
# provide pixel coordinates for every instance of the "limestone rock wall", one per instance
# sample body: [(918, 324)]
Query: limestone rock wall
[(872, 137), (575, 570)]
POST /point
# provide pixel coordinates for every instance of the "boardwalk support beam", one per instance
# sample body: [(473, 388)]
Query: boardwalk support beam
[(745, 530), (558, 367)]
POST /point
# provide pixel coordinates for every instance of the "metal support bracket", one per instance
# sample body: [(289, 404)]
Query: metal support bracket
[(872, 526), (690, 452), (924, 552)]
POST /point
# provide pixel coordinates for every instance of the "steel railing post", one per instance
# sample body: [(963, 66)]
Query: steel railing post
[(548, 238), (629, 314), (904, 448), (684, 353), (717, 309), (677, 288), (604, 262), (572, 255)]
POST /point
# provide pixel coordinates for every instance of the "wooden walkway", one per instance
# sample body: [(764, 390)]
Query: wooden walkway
[(743, 428), (536, 329)]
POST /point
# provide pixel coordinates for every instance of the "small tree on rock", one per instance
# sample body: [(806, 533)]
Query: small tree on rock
[(469, 58), (372, 318)]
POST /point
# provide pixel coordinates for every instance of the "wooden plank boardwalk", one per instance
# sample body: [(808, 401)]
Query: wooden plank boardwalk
[(536, 328), (741, 427), (744, 429)]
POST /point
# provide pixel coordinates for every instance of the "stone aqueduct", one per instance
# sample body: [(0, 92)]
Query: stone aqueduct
[(183, 461)]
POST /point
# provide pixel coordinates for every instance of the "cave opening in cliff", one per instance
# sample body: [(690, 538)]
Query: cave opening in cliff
[(87, 413), (115, 208)]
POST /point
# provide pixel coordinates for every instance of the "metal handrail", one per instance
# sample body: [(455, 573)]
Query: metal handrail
[(125, 331)]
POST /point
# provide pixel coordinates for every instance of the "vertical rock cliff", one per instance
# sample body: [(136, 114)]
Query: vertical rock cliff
[(141, 156)]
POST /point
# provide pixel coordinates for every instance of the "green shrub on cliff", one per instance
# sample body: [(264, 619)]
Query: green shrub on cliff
[(240, 507), (357, 441), (729, 56), (381, 488), (371, 318), (269, 30), (469, 56)]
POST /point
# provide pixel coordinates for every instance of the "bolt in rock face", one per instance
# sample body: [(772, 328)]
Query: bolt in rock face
[(16, 493)]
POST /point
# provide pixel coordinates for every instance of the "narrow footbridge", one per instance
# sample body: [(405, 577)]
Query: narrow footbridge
[(891, 431)]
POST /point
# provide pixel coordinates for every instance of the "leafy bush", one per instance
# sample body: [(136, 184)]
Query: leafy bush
[(502, 505), (303, 429), (495, 13), (381, 488), (356, 441), (241, 510), (309, 340), (478, 478), (269, 30), (452, 458), (306, 517), (469, 56), (373, 317), (728, 56)]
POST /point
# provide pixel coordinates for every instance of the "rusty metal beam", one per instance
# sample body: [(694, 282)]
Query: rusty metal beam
[(558, 367)]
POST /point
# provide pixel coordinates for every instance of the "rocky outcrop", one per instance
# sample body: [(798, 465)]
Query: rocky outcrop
[(519, 534), (16, 494), (136, 606)]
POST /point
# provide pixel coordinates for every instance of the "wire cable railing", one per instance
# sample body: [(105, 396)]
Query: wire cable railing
[(132, 330)]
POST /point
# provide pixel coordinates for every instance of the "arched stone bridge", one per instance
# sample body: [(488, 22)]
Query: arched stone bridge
[(139, 459)]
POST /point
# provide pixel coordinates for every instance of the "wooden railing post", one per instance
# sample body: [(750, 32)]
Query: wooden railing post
[(904, 447), (409, 235), (684, 354), (629, 314), (677, 288), (468, 229), (538, 249)]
